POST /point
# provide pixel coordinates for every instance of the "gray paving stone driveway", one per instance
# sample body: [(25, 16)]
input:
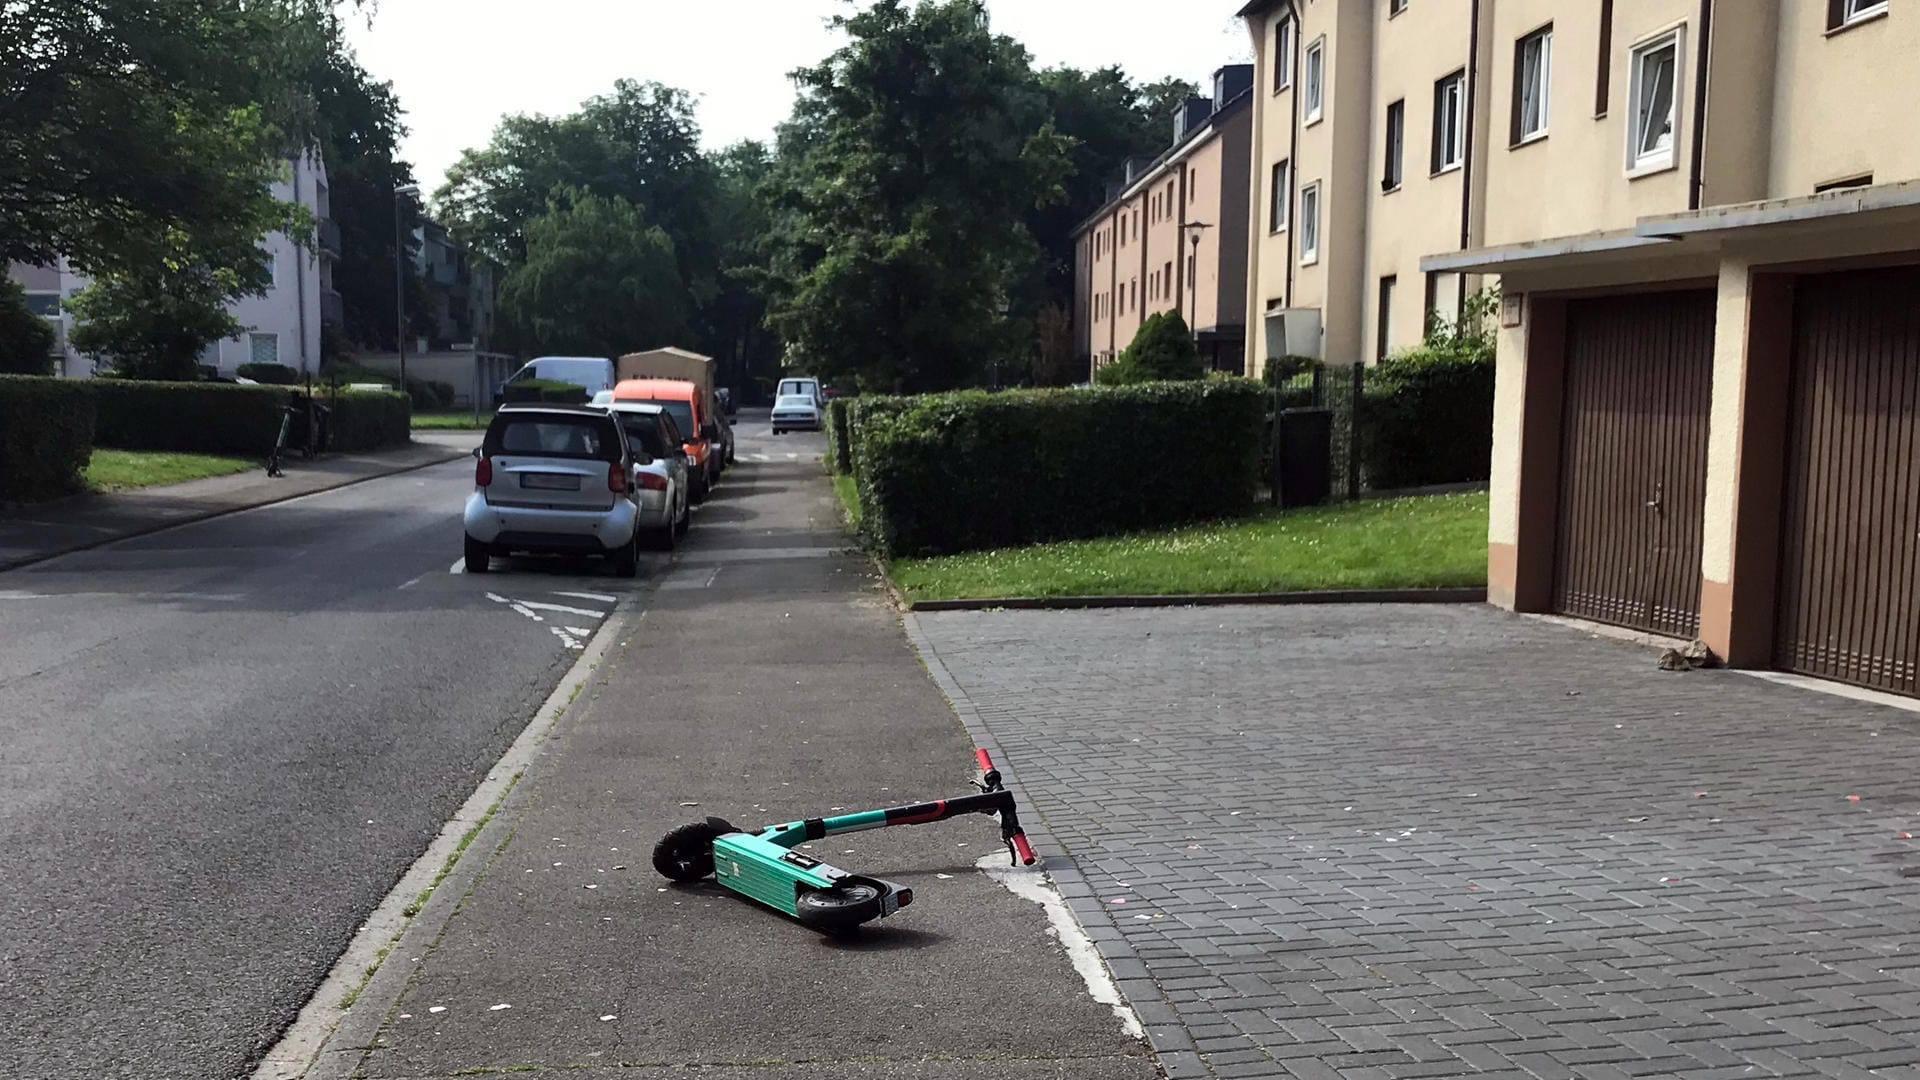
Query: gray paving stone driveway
[(1373, 842)]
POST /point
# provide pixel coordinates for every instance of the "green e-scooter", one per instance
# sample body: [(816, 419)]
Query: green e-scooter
[(764, 866)]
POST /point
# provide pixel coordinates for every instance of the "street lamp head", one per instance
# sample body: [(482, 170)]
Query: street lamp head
[(407, 189)]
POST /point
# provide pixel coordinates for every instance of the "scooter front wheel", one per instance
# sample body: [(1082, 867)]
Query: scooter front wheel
[(839, 909), (686, 853)]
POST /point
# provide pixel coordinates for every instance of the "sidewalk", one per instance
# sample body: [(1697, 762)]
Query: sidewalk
[(764, 679), (30, 534)]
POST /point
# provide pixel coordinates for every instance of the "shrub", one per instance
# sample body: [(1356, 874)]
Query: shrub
[(369, 419), (46, 436), (1427, 418), (839, 452), (424, 395), (546, 390), (1161, 350), (206, 418), (26, 339), (970, 470), (271, 374)]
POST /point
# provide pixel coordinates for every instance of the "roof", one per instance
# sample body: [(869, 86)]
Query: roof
[(1258, 7), (646, 407), (670, 350), (552, 407), (1167, 157), (672, 389)]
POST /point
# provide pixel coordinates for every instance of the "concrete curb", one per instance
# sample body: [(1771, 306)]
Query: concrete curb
[(1172, 1044), (209, 515), (1467, 595), (328, 1042)]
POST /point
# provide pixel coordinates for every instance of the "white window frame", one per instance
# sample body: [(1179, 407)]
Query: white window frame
[(1540, 87), (1314, 76), (1853, 11), (1310, 224), (1285, 31), (1640, 163), (1455, 154), (254, 337)]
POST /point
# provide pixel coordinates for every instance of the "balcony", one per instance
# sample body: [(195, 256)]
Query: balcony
[(329, 237)]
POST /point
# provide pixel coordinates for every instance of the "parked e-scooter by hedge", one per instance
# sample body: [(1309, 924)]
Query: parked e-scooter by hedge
[(763, 866)]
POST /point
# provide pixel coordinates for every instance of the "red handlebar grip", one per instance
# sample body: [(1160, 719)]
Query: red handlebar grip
[(985, 761), (1023, 849)]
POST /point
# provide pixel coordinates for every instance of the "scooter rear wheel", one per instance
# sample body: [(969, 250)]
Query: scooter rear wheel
[(686, 853), (839, 909)]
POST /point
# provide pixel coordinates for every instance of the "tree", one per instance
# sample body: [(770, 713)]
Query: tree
[(899, 199), (26, 341), (597, 280), (730, 325), (359, 130), (156, 324), (138, 129), (1161, 350)]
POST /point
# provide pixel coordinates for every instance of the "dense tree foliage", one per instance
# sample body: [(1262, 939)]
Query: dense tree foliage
[(26, 339), (155, 324), (597, 280), (1162, 350)]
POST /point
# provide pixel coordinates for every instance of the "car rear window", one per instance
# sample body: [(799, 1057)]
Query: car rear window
[(795, 388), (681, 411), (643, 430), (584, 437)]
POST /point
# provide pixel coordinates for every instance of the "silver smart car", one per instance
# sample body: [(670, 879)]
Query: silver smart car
[(553, 479)]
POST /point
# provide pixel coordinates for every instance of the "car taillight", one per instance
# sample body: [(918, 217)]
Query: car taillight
[(650, 481), (617, 478), (483, 472)]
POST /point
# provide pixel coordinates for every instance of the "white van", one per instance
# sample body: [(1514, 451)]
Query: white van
[(595, 373)]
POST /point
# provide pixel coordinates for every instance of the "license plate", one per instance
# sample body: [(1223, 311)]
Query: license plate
[(550, 481)]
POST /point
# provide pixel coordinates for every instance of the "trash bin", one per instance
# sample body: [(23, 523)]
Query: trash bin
[(1303, 466)]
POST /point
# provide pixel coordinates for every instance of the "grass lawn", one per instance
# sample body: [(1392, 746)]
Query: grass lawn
[(1424, 541), (451, 421), (118, 470), (843, 487)]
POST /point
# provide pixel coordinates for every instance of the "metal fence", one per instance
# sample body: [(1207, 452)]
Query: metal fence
[(1342, 392)]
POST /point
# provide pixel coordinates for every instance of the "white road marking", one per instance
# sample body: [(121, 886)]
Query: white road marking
[(19, 594), (412, 583), (793, 457), (459, 566), (760, 457), (602, 597), (567, 639), (498, 599), (522, 609), (577, 631), (562, 609), (1034, 885)]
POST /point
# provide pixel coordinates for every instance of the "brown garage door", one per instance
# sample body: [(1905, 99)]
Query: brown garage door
[(1633, 459), (1850, 545)]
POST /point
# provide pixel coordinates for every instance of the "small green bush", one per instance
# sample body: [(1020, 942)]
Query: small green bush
[(26, 339), (205, 418), (1162, 350), (271, 374), (546, 390), (425, 395), (46, 436), (971, 470), (369, 419), (839, 452)]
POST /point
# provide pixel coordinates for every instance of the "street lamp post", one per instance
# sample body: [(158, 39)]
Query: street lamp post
[(400, 281), (1193, 279)]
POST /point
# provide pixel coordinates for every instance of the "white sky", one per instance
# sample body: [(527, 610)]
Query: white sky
[(459, 65)]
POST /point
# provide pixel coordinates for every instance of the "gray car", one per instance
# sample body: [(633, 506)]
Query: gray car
[(555, 479), (659, 470)]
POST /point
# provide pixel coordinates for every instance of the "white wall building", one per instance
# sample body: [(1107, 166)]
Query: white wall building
[(283, 326)]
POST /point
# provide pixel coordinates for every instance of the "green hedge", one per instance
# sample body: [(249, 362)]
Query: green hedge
[(369, 419), (1427, 420), (204, 418), (46, 436), (839, 452), (972, 470), (271, 374), (545, 390)]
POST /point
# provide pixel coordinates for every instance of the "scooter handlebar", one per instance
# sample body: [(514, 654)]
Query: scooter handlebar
[(985, 761), (1023, 849)]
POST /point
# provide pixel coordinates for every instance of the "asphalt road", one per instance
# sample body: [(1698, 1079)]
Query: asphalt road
[(220, 746)]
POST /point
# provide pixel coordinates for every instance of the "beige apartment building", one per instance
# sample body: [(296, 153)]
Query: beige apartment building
[(1704, 219), (1173, 236)]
